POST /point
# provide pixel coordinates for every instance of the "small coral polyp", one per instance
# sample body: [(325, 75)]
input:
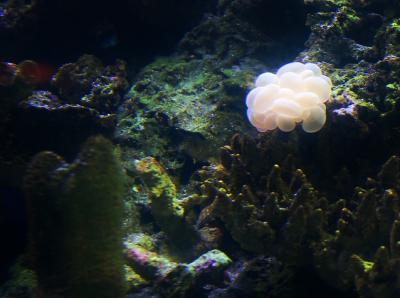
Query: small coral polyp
[(296, 93)]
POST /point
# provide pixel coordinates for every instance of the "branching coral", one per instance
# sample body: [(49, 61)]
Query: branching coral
[(279, 209)]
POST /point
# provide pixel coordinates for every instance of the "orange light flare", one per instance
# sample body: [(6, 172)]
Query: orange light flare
[(33, 73)]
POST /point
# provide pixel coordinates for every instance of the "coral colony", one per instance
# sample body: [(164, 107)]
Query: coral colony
[(296, 93)]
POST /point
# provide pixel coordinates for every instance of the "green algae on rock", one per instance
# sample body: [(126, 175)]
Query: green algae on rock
[(190, 100), (167, 211)]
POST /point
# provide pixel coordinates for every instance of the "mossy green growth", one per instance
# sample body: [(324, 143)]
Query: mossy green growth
[(393, 86), (23, 282), (160, 186), (164, 203), (395, 25), (191, 97), (134, 280), (181, 90), (76, 215)]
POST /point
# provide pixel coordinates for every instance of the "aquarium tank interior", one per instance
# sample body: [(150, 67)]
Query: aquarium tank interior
[(200, 149)]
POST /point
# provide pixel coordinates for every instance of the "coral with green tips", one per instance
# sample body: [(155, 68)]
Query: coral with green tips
[(379, 278)]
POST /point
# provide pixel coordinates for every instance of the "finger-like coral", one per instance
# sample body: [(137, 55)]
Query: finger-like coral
[(262, 212), (81, 201), (365, 223)]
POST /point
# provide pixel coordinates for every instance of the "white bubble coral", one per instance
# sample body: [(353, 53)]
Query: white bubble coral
[(296, 93)]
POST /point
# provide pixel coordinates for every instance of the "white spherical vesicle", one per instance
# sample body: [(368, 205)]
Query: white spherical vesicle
[(264, 98), (262, 122), (287, 107), (268, 122), (251, 96), (306, 73), (291, 67), (305, 114), (328, 80), (265, 79), (315, 120), (291, 81), (254, 118), (284, 123), (314, 68), (307, 99), (318, 86), (285, 93)]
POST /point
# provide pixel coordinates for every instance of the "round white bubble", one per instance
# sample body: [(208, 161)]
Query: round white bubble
[(291, 67), (265, 79), (284, 123), (265, 98), (315, 120), (292, 81), (318, 86), (287, 107), (314, 68)]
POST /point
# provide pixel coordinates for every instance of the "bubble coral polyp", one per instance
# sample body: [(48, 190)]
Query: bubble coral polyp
[(296, 93)]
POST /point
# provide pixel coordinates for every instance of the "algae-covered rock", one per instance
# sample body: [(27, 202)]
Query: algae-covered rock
[(183, 105), (181, 109), (75, 213), (88, 83), (167, 211), (258, 277), (187, 280)]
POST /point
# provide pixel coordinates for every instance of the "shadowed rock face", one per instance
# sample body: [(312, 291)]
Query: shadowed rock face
[(123, 27)]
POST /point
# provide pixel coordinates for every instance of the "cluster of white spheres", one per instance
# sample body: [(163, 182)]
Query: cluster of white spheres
[(296, 93)]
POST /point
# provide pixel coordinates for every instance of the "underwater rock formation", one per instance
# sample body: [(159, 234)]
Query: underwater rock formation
[(88, 83), (168, 277), (187, 280), (298, 215), (81, 201), (181, 109), (258, 277), (46, 113), (33, 120), (167, 211)]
